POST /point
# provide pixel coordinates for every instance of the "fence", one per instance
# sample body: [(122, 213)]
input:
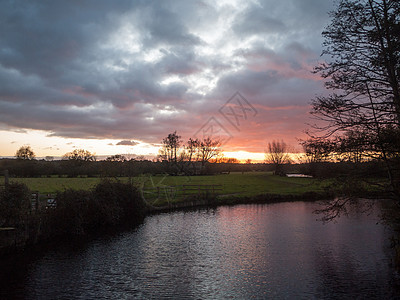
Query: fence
[(5, 183), (42, 200), (181, 192), (201, 190)]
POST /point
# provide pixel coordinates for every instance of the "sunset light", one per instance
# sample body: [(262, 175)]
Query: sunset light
[(140, 73), (199, 149)]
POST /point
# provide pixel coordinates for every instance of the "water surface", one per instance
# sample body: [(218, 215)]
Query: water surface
[(247, 251)]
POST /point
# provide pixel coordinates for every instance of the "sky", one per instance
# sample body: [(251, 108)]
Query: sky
[(116, 77)]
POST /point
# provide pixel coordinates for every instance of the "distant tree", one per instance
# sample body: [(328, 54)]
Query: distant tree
[(228, 160), (170, 147), (188, 156), (208, 149), (220, 158), (80, 155), (117, 157), (317, 150), (277, 154), (25, 152), (192, 150), (183, 158), (248, 161), (49, 158)]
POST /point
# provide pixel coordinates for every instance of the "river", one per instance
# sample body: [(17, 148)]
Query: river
[(275, 251)]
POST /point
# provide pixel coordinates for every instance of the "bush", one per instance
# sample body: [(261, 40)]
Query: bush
[(120, 200), (68, 217), (14, 205), (109, 204)]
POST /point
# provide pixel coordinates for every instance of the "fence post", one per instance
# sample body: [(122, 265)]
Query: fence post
[(6, 177)]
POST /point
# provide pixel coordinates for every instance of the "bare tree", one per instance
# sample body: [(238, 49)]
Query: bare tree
[(25, 152), (317, 150), (208, 149), (190, 156), (184, 158), (361, 118), (170, 147), (277, 154)]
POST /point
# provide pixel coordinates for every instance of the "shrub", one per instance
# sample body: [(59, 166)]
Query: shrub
[(68, 217), (119, 200), (14, 205), (109, 204)]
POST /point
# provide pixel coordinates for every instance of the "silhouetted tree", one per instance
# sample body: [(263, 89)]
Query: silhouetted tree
[(228, 160), (317, 150), (80, 155), (184, 158), (117, 157), (277, 154), (170, 147), (361, 118), (25, 152), (169, 152), (189, 155), (208, 149)]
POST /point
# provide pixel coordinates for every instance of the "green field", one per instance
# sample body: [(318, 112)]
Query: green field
[(46, 185), (237, 184)]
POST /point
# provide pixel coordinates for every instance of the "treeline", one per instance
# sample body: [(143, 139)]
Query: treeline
[(78, 212), (75, 168), (132, 168)]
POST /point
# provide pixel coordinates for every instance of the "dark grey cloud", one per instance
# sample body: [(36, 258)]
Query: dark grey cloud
[(161, 26), (127, 143), (139, 69), (179, 62), (44, 38), (254, 21)]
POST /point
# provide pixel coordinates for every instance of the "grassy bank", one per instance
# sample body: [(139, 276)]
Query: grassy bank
[(245, 184), (163, 189)]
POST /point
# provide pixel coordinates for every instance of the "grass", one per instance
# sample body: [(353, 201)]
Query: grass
[(246, 184), (49, 185), (238, 184)]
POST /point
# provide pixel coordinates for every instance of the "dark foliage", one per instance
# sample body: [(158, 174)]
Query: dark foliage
[(14, 205), (358, 124), (109, 204), (71, 168)]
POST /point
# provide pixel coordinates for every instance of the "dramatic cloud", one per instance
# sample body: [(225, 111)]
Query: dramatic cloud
[(138, 70)]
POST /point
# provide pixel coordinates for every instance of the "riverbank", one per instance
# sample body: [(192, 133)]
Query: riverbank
[(82, 212), (223, 200), (19, 239), (111, 204)]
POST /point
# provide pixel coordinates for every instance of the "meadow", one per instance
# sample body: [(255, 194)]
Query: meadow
[(244, 184)]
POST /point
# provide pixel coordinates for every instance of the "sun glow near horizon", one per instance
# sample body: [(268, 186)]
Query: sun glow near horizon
[(44, 145)]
